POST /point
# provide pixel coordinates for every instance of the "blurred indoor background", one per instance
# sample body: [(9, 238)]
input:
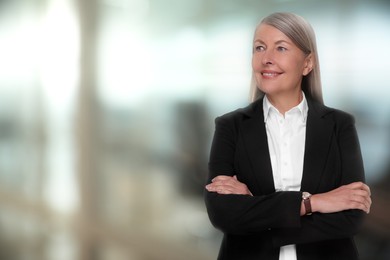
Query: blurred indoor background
[(107, 109)]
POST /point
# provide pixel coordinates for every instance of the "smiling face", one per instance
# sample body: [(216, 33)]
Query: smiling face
[(278, 64)]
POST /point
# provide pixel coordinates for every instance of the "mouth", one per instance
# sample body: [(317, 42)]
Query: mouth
[(270, 74)]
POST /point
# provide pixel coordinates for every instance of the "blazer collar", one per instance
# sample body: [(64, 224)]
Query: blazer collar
[(319, 130)]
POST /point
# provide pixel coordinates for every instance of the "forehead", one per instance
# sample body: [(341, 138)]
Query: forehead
[(265, 32)]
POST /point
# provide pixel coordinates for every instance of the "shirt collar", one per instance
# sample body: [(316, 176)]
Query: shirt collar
[(302, 107)]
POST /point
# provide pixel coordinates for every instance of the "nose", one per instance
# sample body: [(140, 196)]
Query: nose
[(267, 58)]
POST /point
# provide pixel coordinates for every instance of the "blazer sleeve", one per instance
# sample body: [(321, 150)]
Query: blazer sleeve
[(320, 227), (243, 214)]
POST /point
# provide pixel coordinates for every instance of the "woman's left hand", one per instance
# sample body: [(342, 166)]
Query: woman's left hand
[(223, 184)]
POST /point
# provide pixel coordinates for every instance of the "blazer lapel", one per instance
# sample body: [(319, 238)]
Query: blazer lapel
[(255, 140), (318, 135)]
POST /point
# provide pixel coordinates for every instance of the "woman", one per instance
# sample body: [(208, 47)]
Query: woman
[(286, 178)]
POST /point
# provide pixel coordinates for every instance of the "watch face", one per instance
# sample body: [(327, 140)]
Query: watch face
[(305, 195)]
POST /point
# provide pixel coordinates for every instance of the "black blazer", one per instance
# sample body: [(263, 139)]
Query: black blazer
[(256, 227)]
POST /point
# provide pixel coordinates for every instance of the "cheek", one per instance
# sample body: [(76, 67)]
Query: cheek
[(299, 65), (255, 63)]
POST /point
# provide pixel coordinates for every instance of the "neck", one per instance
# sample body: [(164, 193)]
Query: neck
[(284, 102)]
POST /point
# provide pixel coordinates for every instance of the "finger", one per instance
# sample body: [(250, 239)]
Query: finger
[(359, 186), (222, 189), (367, 188), (221, 178), (221, 185), (360, 197), (368, 204), (362, 193), (228, 181), (233, 191), (364, 187), (226, 191), (223, 182), (358, 205), (364, 197), (363, 203), (219, 189), (210, 187), (225, 188)]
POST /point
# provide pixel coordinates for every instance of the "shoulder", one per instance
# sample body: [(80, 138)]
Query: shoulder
[(241, 114), (337, 115), (341, 121), (230, 123), (341, 117)]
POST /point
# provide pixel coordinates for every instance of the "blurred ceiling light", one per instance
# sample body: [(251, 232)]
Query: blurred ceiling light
[(59, 50), (125, 68)]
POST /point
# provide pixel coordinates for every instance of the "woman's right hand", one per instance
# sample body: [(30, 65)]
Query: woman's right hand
[(356, 195)]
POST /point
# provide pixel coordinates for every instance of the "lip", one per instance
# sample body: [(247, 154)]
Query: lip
[(270, 74)]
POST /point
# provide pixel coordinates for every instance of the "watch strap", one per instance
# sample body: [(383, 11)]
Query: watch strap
[(307, 203), (307, 206)]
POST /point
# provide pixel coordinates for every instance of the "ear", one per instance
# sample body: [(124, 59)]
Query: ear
[(309, 64)]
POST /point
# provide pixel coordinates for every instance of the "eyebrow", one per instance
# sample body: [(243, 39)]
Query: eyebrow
[(277, 42)]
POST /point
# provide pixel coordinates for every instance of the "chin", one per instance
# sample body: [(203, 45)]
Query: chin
[(269, 90)]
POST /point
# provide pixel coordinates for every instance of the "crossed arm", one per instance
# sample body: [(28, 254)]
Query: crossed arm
[(355, 195)]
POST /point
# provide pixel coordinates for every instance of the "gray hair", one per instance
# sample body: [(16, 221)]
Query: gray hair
[(302, 34)]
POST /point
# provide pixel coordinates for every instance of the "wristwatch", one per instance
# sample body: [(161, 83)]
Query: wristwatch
[(306, 201)]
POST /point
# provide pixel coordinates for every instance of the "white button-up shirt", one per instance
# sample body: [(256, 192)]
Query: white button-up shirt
[(286, 142)]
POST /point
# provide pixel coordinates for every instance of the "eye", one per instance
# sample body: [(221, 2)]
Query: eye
[(281, 48), (259, 48)]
